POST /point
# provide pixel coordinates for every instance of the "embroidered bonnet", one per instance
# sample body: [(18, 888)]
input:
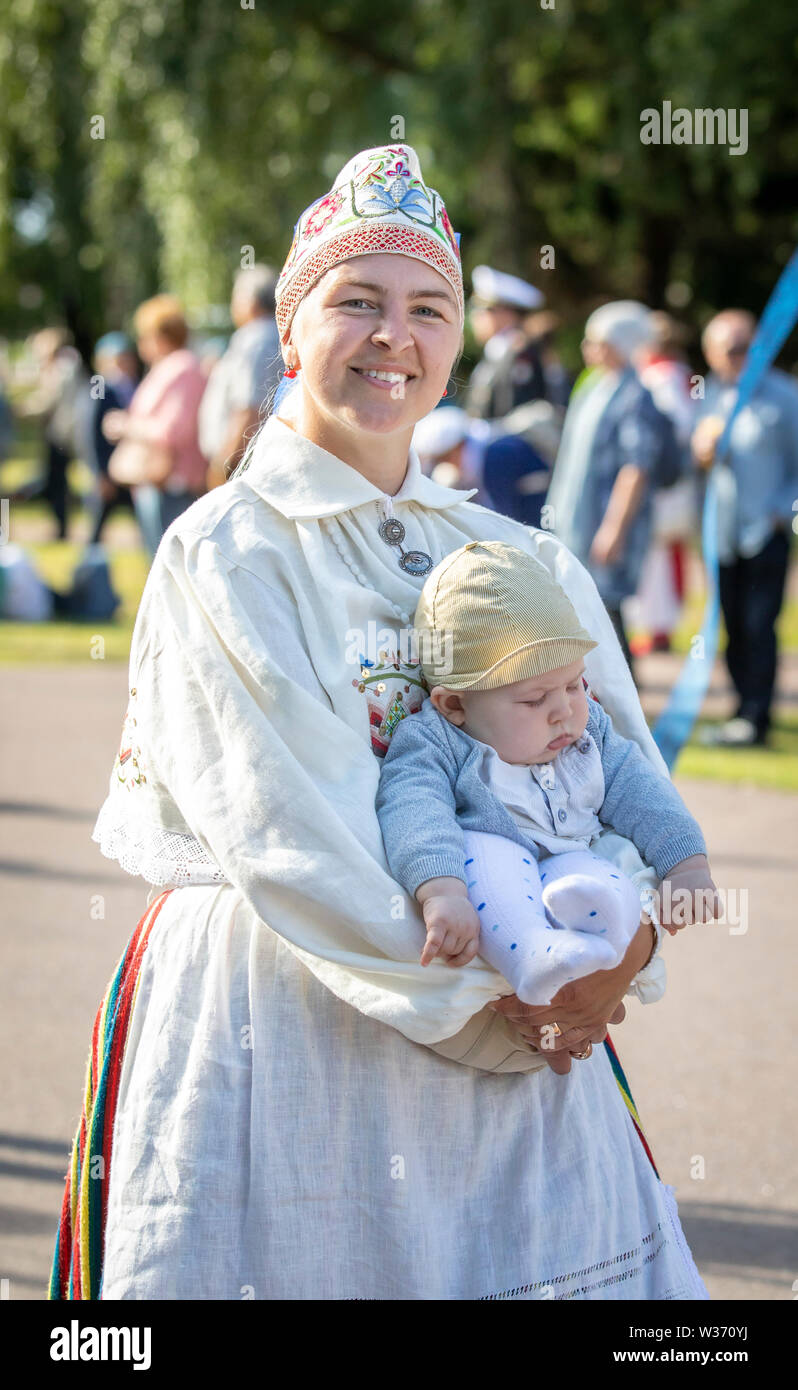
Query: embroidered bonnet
[(379, 202)]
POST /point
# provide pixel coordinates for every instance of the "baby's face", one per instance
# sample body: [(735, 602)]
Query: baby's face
[(528, 721)]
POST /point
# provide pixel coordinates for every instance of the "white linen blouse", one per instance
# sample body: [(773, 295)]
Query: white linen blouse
[(284, 1127), (249, 742)]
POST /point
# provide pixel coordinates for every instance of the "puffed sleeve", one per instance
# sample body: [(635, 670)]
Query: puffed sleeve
[(238, 737)]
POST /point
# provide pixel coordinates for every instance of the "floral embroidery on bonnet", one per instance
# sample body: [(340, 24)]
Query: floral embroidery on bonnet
[(378, 203)]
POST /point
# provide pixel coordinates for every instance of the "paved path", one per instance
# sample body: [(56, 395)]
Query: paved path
[(656, 675), (712, 1067), (57, 957)]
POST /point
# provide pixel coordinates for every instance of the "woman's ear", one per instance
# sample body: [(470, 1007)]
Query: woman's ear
[(460, 351)]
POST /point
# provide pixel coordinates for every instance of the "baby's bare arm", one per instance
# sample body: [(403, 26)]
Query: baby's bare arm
[(451, 921)]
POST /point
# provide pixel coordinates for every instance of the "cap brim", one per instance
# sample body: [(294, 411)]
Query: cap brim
[(525, 664)]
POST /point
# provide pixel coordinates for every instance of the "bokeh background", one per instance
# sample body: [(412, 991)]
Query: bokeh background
[(143, 147), (221, 123)]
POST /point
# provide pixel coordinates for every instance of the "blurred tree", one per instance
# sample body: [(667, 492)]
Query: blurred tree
[(49, 258), (146, 144)]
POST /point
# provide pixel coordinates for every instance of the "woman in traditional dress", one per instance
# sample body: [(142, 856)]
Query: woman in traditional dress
[(286, 1104)]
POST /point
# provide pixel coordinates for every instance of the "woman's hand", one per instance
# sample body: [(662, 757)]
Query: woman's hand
[(625, 501), (581, 1009), (562, 1050)]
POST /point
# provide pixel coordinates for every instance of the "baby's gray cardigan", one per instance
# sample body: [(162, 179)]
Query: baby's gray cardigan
[(430, 791)]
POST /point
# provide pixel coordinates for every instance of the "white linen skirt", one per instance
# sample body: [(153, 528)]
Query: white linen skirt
[(271, 1142)]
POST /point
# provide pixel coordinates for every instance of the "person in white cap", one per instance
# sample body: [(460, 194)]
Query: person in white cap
[(515, 453), (611, 458), (289, 1105), (510, 372), (451, 448)]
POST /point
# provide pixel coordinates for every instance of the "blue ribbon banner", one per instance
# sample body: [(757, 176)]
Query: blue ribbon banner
[(675, 723)]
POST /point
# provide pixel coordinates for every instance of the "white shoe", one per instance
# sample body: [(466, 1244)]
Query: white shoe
[(735, 733)]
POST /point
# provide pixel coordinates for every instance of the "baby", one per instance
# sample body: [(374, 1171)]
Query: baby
[(492, 794)]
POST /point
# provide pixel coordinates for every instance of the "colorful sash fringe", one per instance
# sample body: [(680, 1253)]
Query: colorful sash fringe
[(79, 1248), (80, 1244)]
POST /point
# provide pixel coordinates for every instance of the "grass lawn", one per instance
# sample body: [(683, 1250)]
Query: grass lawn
[(774, 766), (66, 640), (55, 561)]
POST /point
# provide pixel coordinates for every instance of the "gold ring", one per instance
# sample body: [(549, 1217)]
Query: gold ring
[(580, 1056)]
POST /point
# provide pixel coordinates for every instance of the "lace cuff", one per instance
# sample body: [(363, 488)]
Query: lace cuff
[(648, 984), (165, 858)]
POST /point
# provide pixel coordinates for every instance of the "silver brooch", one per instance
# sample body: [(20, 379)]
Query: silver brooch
[(411, 561)]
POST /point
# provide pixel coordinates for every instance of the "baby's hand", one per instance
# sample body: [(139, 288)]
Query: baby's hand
[(688, 894), (452, 929), (451, 921)]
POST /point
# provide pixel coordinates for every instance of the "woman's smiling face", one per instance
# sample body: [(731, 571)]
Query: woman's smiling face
[(383, 313)]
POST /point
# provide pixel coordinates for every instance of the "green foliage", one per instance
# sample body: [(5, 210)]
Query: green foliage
[(222, 122)]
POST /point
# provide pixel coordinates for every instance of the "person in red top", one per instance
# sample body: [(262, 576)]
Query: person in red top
[(158, 448)]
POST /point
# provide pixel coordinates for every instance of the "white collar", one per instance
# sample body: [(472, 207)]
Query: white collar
[(544, 773), (303, 480)]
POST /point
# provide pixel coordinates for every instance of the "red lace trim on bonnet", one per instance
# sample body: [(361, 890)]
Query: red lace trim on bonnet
[(363, 241)]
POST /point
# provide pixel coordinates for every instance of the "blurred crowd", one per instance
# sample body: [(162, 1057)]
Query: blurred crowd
[(613, 461), (615, 464), (156, 421)]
